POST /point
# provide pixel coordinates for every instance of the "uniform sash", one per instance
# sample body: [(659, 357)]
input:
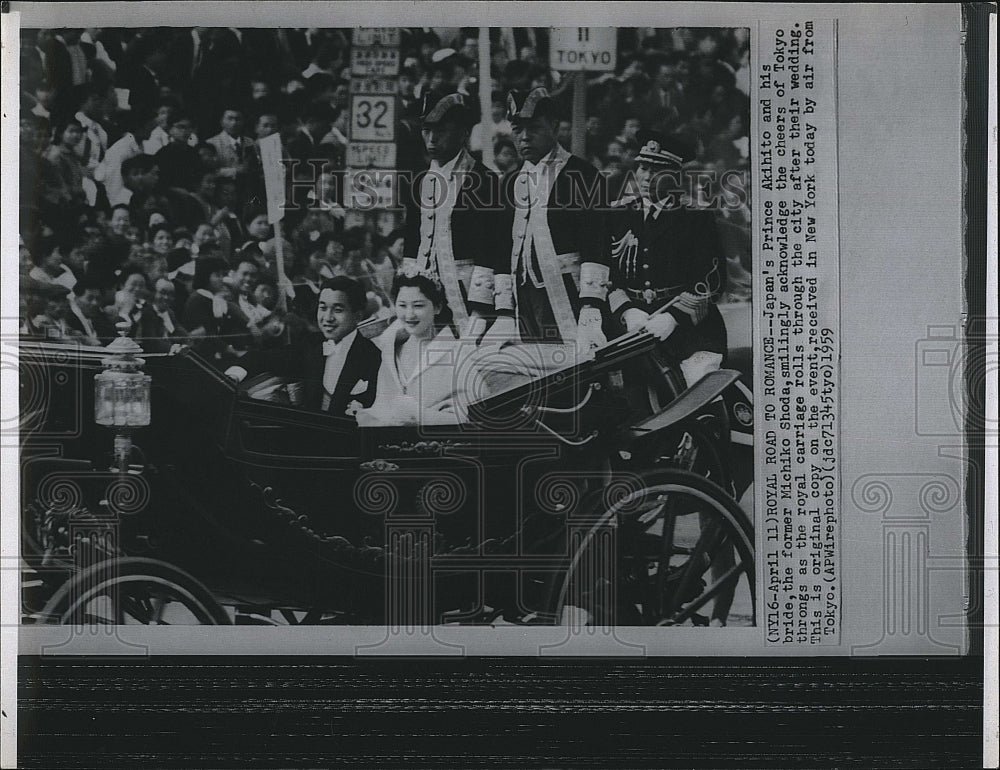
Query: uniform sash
[(533, 231), (436, 239)]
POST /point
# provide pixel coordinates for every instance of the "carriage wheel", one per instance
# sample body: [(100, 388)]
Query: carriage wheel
[(693, 445), (133, 591), (645, 557)]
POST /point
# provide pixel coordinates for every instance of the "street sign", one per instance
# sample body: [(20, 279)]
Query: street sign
[(369, 189), (371, 147), (373, 118), (574, 49), (371, 155), (374, 61), (376, 84), (387, 36)]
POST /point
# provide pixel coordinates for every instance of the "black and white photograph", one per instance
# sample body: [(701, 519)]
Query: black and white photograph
[(386, 325), (525, 354)]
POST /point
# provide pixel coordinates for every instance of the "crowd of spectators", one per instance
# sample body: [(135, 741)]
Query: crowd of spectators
[(141, 190)]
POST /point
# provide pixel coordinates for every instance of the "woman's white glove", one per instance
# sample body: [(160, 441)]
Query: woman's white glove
[(589, 335), (634, 318), (660, 326)]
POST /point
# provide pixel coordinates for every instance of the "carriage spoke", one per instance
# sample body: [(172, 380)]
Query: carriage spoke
[(697, 563), (660, 602), (731, 576), (159, 602)]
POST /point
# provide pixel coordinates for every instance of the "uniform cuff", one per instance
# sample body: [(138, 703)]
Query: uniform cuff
[(503, 292), (594, 281), (482, 286), (618, 301)]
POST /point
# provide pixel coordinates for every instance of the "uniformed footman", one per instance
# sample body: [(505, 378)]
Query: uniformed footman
[(456, 227), (558, 269)]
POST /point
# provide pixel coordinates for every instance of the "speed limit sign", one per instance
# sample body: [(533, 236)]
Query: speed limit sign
[(373, 118)]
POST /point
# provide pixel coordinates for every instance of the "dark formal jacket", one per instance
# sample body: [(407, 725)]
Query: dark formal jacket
[(477, 224), (179, 166), (558, 243), (656, 258), (153, 331), (231, 329), (304, 361), (576, 209), (104, 328)]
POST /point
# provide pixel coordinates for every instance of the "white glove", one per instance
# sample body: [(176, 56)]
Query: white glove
[(502, 332), (634, 318), (661, 326), (695, 305), (236, 373), (589, 335)]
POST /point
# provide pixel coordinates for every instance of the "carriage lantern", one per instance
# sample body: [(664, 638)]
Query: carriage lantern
[(121, 393)]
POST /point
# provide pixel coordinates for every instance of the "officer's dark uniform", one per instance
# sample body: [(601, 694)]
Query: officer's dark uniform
[(658, 252)]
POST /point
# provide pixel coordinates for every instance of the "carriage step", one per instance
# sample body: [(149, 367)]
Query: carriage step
[(692, 400)]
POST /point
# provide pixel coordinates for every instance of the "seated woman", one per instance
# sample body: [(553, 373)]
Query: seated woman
[(426, 375)]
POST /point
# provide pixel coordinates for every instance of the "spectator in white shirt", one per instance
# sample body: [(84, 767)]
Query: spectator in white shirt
[(49, 267), (231, 145), (95, 139), (109, 171)]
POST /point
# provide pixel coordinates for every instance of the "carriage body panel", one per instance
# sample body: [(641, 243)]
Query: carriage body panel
[(271, 506)]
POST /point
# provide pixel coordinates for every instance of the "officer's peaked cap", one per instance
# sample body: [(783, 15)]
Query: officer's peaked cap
[(667, 150)]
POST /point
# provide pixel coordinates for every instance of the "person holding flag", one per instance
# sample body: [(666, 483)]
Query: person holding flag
[(456, 226), (558, 269)]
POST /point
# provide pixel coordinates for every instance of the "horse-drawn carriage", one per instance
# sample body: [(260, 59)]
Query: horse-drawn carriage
[(556, 501)]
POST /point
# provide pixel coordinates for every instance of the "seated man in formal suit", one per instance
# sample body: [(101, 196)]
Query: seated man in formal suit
[(337, 365), (86, 315), (159, 328)]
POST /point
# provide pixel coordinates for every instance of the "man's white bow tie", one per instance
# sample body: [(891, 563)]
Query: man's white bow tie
[(329, 347)]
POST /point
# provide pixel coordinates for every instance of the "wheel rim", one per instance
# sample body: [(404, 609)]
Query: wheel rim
[(666, 536), (136, 600)]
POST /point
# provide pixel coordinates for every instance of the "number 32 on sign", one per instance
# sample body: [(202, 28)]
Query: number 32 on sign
[(373, 118)]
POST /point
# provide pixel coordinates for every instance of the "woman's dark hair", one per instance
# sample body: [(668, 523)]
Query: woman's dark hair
[(430, 289), (43, 245), (130, 270), (433, 291), (204, 267), (354, 290), (61, 128)]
